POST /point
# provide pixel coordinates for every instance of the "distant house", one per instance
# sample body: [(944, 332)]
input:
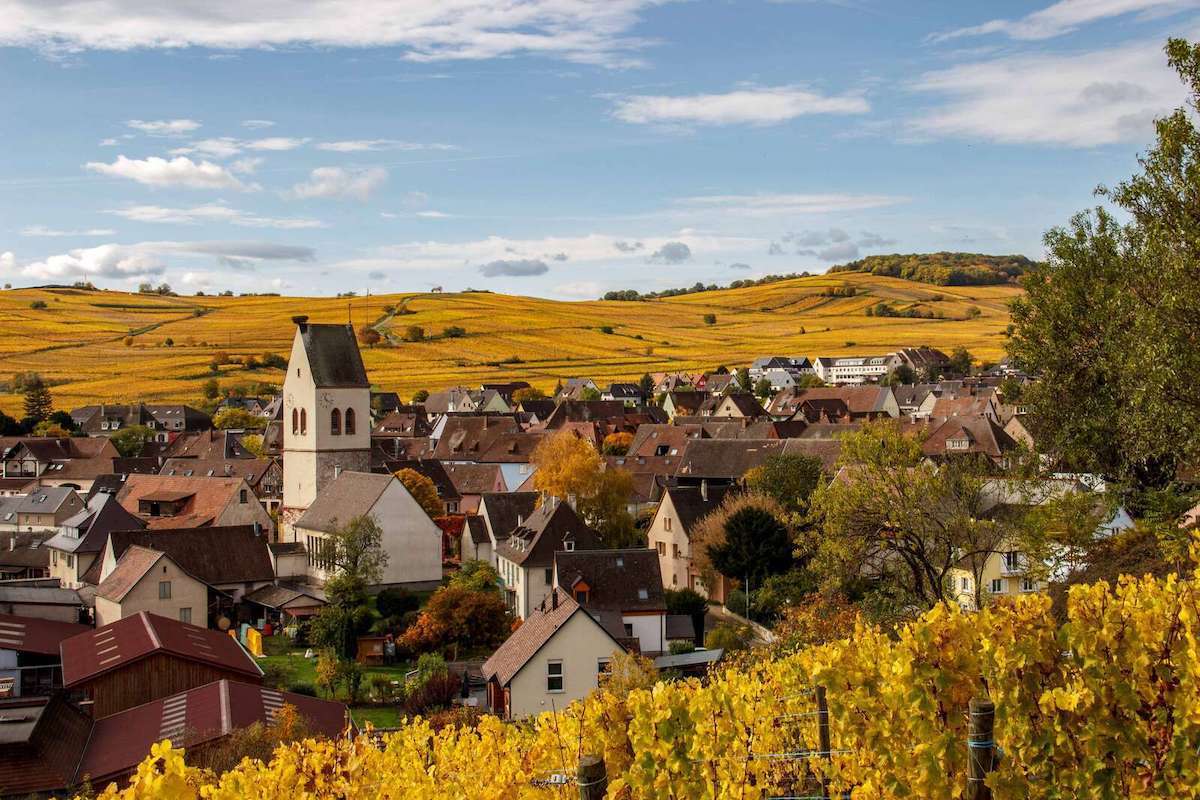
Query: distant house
[(177, 501), (472, 481), (149, 581), (43, 510), (852, 369), (739, 405), (476, 544), (622, 589), (504, 512), (861, 402), (670, 534), (577, 389), (167, 421), (29, 654), (41, 601), (449, 401), (82, 537), (683, 404), (24, 555), (795, 366), (525, 559), (410, 538), (73, 462), (630, 394), (264, 476), (558, 655), (969, 435), (145, 657)]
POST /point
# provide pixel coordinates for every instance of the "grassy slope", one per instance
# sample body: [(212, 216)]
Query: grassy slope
[(78, 338)]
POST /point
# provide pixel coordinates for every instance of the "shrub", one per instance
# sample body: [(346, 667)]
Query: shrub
[(306, 689), (414, 333), (127, 341), (606, 328), (710, 319), (396, 602), (437, 691), (38, 305), (679, 648), (453, 332)]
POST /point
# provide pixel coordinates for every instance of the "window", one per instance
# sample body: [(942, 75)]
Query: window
[(603, 669), (349, 421), (164, 590), (554, 676), (965, 583), (674, 580), (629, 629), (185, 615), (242, 496), (295, 422), (549, 576), (643, 594), (335, 422), (1012, 560), (666, 523), (303, 422), (997, 586), (581, 597), (70, 561), (1027, 584), (568, 546), (674, 550), (662, 548)]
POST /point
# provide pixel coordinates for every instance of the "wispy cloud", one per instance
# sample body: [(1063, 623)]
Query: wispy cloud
[(1063, 17), (257, 124), (1078, 100), (783, 205), (228, 146), (177, 172), (768, 105), (162, 127), (366, 145), (521, 268), (43, 231), (146, 259), (213, 212), (341, 182)]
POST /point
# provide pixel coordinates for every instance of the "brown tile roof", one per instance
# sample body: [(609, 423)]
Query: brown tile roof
[(465, 437), (215, 555), (660, 440), (533, 634), (861, 400), (512, 448), (981, 434), (35, 635), (251, 470), (131, 567), (210, 496), (546, 530), (726, 458), (475, 478), (131, 639), (617, 580)]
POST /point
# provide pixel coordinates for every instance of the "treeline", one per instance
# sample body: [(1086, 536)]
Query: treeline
[(943, 269), (698, 286)]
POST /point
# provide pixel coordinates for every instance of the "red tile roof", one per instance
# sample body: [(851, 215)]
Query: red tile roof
[(131, 639), (34, 635)]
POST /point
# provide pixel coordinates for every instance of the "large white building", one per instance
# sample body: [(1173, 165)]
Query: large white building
[(852, 369)]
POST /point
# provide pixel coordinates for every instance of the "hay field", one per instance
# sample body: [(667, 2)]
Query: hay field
[(78, 339)]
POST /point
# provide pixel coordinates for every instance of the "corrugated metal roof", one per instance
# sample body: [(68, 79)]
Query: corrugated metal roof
[(35, 635)]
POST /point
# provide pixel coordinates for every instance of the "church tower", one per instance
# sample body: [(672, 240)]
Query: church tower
[(326, 414)]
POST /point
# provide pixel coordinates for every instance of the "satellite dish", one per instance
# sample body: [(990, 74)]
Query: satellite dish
[(223, 623)]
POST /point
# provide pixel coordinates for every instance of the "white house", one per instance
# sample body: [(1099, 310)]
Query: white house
[(525, 560), (622, 589)]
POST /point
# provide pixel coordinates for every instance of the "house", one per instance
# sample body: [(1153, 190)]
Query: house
[(969, 405), (326, 415), (145, 580), (447, 492), (741, 405), (232, 560), (449, 401), (81, 538), (179, 501), (42, 510), (683, 403), (411, 540), (286, 602), (472, 481), (29, 654), (476, 544), (197, 719), (71, 462), (623, 589), (504, 512), (578, 389), (852, 369), (167, 421), (24, 555), (969, 435), (506, 390), (145, 657), (525, 559), (384, 404), (209, 445), (264, 476), (630, 394), (670, 533), (41, 745), (558, 655), (922, 360), (41, 599), (795, 366), (464, 437), (861, 402), (716, 383)]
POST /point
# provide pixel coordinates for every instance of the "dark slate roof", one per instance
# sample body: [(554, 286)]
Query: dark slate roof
[(617, 580), (433, 470), (478, 529), (220, 555), (690, 505), (102, 516), (504, 509), (333, 356), (546, 530), (726, 458)]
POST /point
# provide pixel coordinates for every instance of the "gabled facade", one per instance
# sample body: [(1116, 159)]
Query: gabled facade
[(525, 560)]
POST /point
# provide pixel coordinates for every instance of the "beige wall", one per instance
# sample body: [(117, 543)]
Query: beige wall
[(67, 567), (666, 530), (186, 592), (247, 513), (579, 644), (529, 584)]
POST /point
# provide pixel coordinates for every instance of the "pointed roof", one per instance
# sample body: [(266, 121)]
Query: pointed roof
[(533, 634), (350, 495), (333, 356), (550, 527), (102, 516)]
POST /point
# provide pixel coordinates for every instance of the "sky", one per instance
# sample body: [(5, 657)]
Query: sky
[(555, 148)]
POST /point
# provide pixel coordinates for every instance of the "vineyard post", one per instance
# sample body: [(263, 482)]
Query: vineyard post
[(592, 778), (981, 748), (823, 738)]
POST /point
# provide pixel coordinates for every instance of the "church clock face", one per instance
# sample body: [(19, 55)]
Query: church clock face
[(327, 398), (291, 399)]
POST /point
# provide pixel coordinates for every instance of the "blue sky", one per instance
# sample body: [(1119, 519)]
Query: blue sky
[(557, 148)]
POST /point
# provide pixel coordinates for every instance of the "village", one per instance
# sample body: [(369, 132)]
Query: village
[(358, 559)]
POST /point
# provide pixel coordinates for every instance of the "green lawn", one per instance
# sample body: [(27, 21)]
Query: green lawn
[(300, 670), (379, 716)]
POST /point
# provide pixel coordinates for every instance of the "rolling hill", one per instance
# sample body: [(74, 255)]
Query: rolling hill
[(111, 346), (943, 269)]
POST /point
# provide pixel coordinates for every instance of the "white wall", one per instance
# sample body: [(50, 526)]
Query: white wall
[(650, 630), (579, 644)]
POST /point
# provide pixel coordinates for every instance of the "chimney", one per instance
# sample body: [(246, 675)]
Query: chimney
[(257, 529), (553, 599), (571, 499), (12, 543), (704, 490), (301, 321), (520, 519), (228, 470)]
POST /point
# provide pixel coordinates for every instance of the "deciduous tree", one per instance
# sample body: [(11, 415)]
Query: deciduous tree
[(422, 490)]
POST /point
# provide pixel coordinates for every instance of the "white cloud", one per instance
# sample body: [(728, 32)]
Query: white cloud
[(162, 127), (110, 142), (433, 215), (275, 143), (257, 124), (7, 262), (754, 106), (228, 146), (780, 205), (42, 230), (213, 212), (146, 259), (586, 32), (589, 290), (340, 182), (180, 171), (1082, 100), (365, 145), (1064, 17)]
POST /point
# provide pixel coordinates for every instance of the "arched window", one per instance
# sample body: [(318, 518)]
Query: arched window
[(295, 421), (335, 422), (349, 421), (303, 422)]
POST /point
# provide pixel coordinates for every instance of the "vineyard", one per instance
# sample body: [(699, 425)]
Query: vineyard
[(1104, 706), (111, 346)]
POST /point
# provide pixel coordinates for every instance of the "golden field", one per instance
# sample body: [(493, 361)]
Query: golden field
[(77, 341)]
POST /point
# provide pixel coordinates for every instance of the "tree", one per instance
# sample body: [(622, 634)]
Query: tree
[(809, 381), (627, 672), (710, 319), (63, 420), (567, 467), (252, 443), (902, 375), (38, 402), (743, 379), (763, 388), (646, 384), (453, 332), (476, 576), (51, 429), (788, 479), (369, 336), (691, 604), (414, 333), (1108, 322), (756, 545), (527, 393), (589, 393), (420, 396), (422, 490), (396, 602), (960, 361), (211, 389), (130, 441), (233, 418), (355, 552), (729, 637), (455, 617), (617, 444)]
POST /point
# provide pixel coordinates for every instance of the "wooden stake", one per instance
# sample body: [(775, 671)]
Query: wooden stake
[(823, 737), (981, 748), (592, 778)]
